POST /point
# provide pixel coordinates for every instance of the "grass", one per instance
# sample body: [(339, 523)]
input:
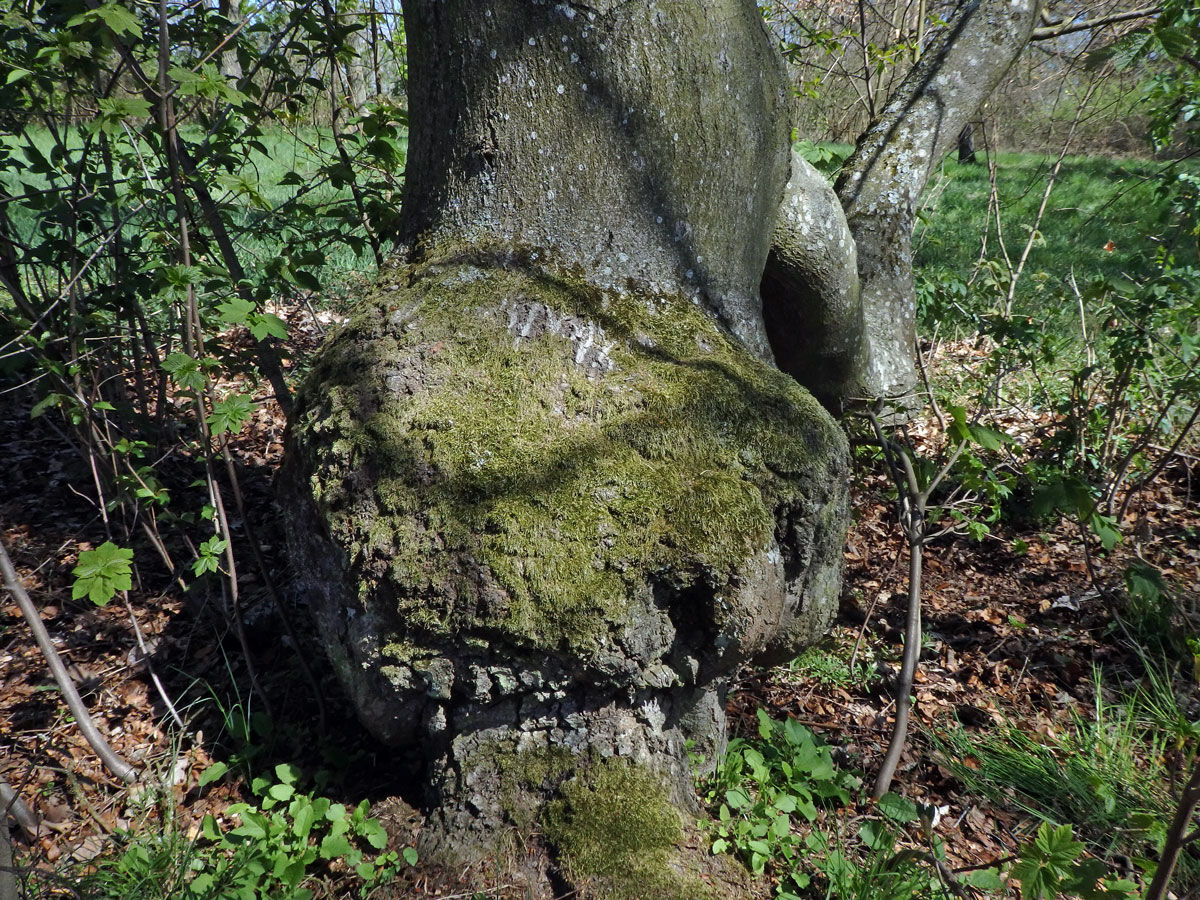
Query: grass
[(1106, 772), (829, 665), (257, 197), (1095, 201)]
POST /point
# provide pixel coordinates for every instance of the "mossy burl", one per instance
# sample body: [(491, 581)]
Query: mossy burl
[(617, 836), (440, 443), (610, 823)]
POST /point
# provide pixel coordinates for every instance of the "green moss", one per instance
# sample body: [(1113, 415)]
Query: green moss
[(616, 834), (526, 777), (450, 456)]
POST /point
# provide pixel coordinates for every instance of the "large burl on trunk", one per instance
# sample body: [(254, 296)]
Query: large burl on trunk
[(547, 490)]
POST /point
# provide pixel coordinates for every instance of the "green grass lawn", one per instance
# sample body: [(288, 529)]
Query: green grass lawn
[(1095, 201)]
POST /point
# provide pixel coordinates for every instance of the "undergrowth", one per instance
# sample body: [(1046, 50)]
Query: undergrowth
[(1109, 773)]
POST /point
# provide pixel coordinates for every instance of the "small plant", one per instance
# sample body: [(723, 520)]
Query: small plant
[(1053, 865), (101, 573), (759, 789), (1108, 774), (830, 669), (881, 869), (280, 844)]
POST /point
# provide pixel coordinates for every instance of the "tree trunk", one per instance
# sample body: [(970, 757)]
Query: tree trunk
[(811, 299), (546, 490), (356, 67), (966, 145), (663, 162), (231, 66), (882, 181)]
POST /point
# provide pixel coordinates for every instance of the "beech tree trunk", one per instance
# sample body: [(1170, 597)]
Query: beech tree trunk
[(882, 181), (636, 143), (547, 491)]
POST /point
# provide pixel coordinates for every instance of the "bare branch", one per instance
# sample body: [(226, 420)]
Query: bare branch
[(1058, 29), (83, 718)]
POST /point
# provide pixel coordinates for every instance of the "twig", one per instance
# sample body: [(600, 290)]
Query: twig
[(158, 685), (83, 718), (14, 806), (1189, 799)]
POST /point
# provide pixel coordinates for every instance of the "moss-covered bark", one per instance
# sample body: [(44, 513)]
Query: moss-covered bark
[(546, 490), (524, 507)]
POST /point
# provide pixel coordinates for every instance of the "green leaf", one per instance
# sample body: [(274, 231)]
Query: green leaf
[(101, 573), (987, 880), (303, 820), (1175, 41), (212, 773), (230, 414), (201, 884), (268, 325), (235, 311), (287, 773), (50, 401), (410, 855), (876, 836), (374, 834), (184, 370), (898, 809), (737, 798), (119, 20), (365, 870), (335, 846)]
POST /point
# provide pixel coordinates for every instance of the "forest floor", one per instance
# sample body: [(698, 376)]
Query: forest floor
[(1018, 638)]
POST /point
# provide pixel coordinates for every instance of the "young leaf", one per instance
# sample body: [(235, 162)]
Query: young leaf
[(212, 773), (101, 573), (230, 414), (268, 325), (235, 311)]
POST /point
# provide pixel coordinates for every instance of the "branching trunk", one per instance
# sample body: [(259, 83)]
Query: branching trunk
[(882, 181)]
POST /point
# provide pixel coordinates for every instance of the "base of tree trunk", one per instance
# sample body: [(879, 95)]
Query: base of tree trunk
[(540, 524)]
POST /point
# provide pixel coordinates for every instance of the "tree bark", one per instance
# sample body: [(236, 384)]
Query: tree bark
[(607, 133), (966, 145), (812, 304), (546, 490), (882, 181), (231, 66)]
